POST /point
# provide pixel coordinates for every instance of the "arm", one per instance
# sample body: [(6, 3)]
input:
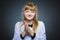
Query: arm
[(17, 32), (41, 34)]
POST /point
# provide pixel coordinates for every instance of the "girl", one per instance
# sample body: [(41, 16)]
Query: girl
[(29, 28)]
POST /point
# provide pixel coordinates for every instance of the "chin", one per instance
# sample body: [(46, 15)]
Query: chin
[(29, 19)]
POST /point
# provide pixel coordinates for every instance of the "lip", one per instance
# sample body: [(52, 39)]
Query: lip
[(29, 16)]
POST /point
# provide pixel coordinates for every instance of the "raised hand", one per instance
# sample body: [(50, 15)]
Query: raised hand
[(27, 28)]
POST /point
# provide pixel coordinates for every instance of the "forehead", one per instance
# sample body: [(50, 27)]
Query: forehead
[(30, 8)]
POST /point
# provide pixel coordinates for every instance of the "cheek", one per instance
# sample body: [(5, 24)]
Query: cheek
[(25, 14), (33, 14)]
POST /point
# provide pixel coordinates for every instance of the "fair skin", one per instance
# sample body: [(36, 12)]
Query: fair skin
[(29, 15)]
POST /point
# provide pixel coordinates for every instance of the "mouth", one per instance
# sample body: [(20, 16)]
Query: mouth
[(29, 16)]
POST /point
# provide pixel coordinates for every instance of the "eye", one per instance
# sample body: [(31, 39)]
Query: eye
[(32, 12), (26, 11)]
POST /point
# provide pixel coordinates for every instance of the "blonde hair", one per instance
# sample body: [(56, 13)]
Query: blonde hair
[(31, 6)]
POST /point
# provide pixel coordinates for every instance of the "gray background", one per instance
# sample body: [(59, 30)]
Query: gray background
[(48, 12)]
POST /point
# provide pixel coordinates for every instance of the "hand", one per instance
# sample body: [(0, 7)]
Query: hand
[(27, 29), (26, 26), (23, 34), (31, 32)]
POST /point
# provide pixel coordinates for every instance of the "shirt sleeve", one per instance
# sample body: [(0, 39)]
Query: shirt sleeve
[(17, 32), (41, 34)]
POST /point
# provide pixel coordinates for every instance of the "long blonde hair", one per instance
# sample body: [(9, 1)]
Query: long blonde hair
[(31, 6)]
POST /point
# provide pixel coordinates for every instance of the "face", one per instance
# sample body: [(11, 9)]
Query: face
[(29, 15)]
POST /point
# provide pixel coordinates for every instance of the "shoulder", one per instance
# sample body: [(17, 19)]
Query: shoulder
[(41, 23), (17, 24), (41, 27)]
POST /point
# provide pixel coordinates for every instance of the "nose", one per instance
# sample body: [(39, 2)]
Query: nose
[(30, 13)]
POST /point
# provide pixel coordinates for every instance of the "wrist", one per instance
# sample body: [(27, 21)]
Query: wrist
[(33, 36), (23, 35)]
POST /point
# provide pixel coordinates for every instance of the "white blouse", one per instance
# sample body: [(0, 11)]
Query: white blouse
[(40, 32)]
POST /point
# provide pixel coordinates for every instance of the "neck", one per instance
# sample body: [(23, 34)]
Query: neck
[(29, 21)]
